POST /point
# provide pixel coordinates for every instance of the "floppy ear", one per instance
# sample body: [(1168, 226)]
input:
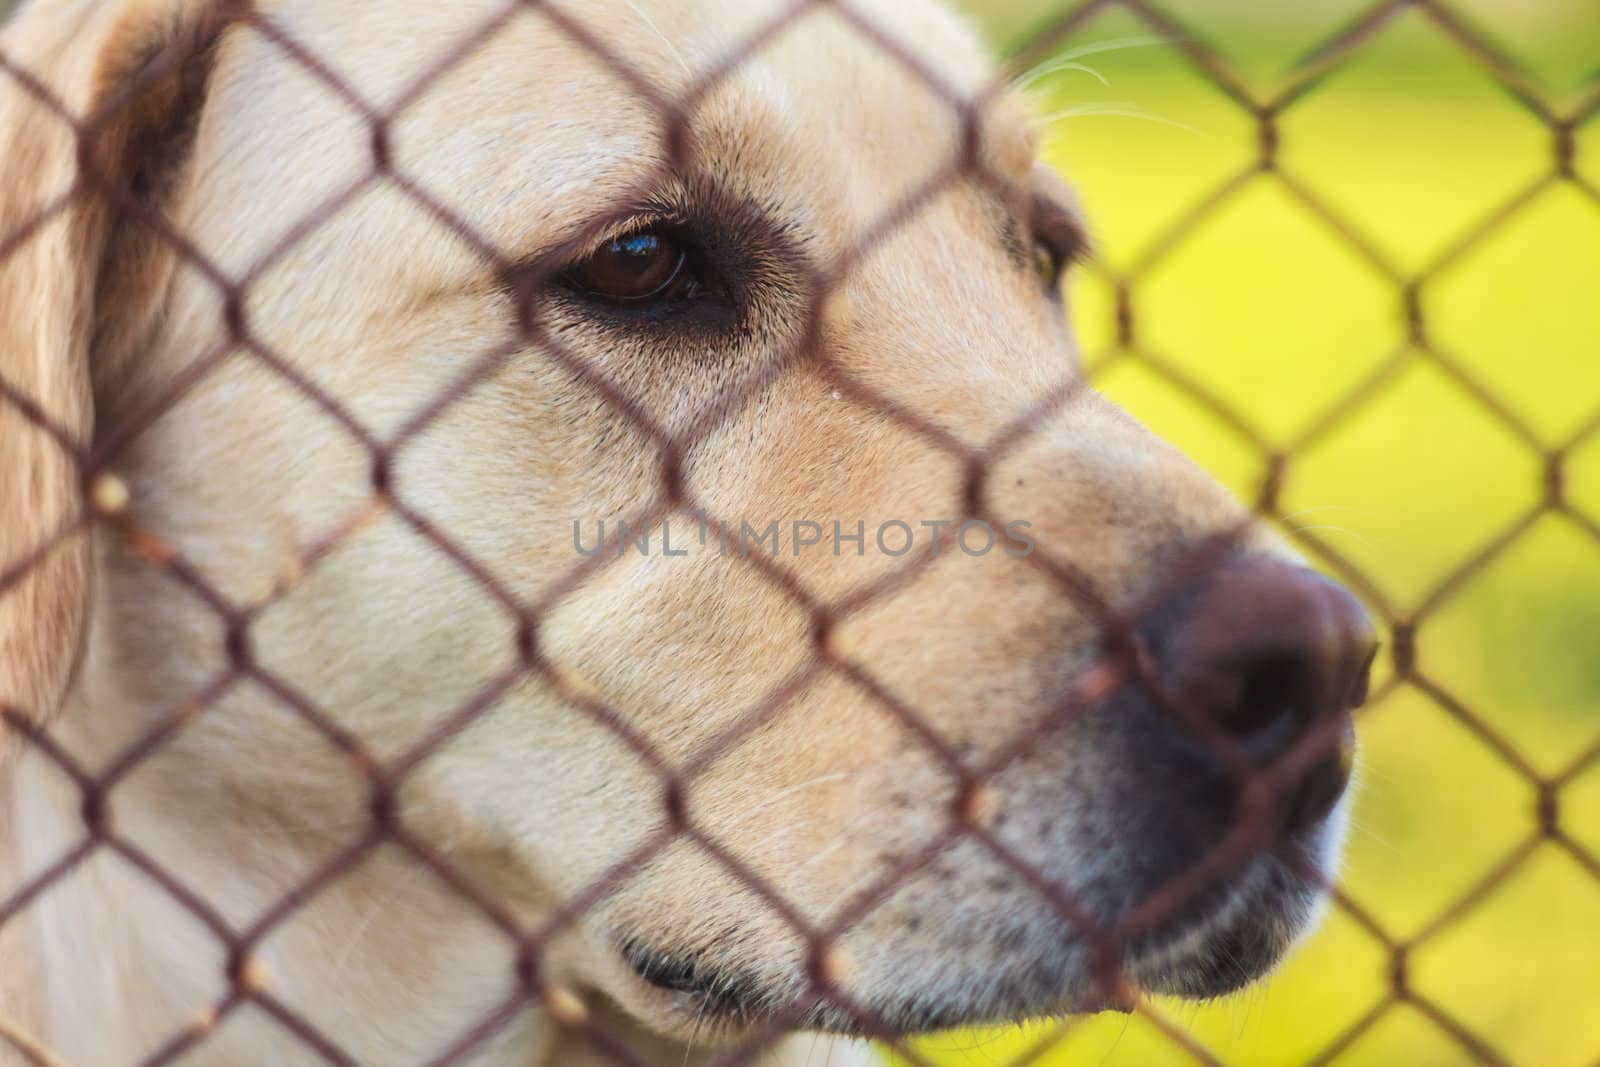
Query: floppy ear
[(98, 107)]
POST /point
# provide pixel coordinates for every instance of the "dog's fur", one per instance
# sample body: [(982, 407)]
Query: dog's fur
[(536, 145)]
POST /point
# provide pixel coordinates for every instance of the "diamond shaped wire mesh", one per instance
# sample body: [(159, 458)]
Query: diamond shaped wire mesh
[(106, 512)]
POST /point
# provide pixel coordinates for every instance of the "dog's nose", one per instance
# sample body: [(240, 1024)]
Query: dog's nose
[(1271, 652)]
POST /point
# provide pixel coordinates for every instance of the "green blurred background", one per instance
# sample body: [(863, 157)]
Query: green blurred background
[(1410, 143)]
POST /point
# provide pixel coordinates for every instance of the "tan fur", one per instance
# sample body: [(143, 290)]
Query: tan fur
[(526, 140)]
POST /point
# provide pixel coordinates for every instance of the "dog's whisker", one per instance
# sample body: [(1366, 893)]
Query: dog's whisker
[(1057, 68), (1112, 44), (783, 794), (1319, 508), (1113, 109), (1367, 832), (665, 40), (694, 1031), (1364, 540), (866, 878), (380, 904), (832, 847)]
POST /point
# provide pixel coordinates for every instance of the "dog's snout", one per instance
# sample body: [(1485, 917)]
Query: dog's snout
[(1271, 653)]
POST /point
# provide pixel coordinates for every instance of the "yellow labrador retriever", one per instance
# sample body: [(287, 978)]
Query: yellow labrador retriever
[(527, 541)]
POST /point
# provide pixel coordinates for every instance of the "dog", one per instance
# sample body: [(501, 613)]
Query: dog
[(388, 393)]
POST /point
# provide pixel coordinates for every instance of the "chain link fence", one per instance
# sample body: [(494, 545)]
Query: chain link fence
[(1122, 328), (1268, 457)]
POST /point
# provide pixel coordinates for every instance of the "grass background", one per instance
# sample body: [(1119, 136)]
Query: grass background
[(1410, 142)]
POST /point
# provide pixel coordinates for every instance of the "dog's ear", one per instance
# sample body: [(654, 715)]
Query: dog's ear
[(99, 103)]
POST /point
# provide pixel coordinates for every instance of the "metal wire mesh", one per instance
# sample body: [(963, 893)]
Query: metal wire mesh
[(105, 509)]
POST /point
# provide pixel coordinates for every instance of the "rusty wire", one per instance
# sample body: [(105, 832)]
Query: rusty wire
[(101, 508)]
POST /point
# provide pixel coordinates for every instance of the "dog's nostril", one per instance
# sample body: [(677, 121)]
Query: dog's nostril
[(1266, 710)]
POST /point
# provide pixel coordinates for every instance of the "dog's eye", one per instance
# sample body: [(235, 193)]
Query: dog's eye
[(1058, 239), (649, 265), (1050, 262)]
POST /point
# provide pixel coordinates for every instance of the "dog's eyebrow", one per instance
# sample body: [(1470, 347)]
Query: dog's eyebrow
[(1042, 208), (1026, 199), (1007, 222)]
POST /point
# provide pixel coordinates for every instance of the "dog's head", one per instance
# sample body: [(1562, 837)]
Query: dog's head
[(942, 692)]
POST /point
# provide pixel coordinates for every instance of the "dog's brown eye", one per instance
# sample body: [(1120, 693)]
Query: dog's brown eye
[(648, 265), (1058, 238), (1049, 263)]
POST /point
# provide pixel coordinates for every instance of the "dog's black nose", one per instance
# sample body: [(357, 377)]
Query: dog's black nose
[(1271, 652)]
